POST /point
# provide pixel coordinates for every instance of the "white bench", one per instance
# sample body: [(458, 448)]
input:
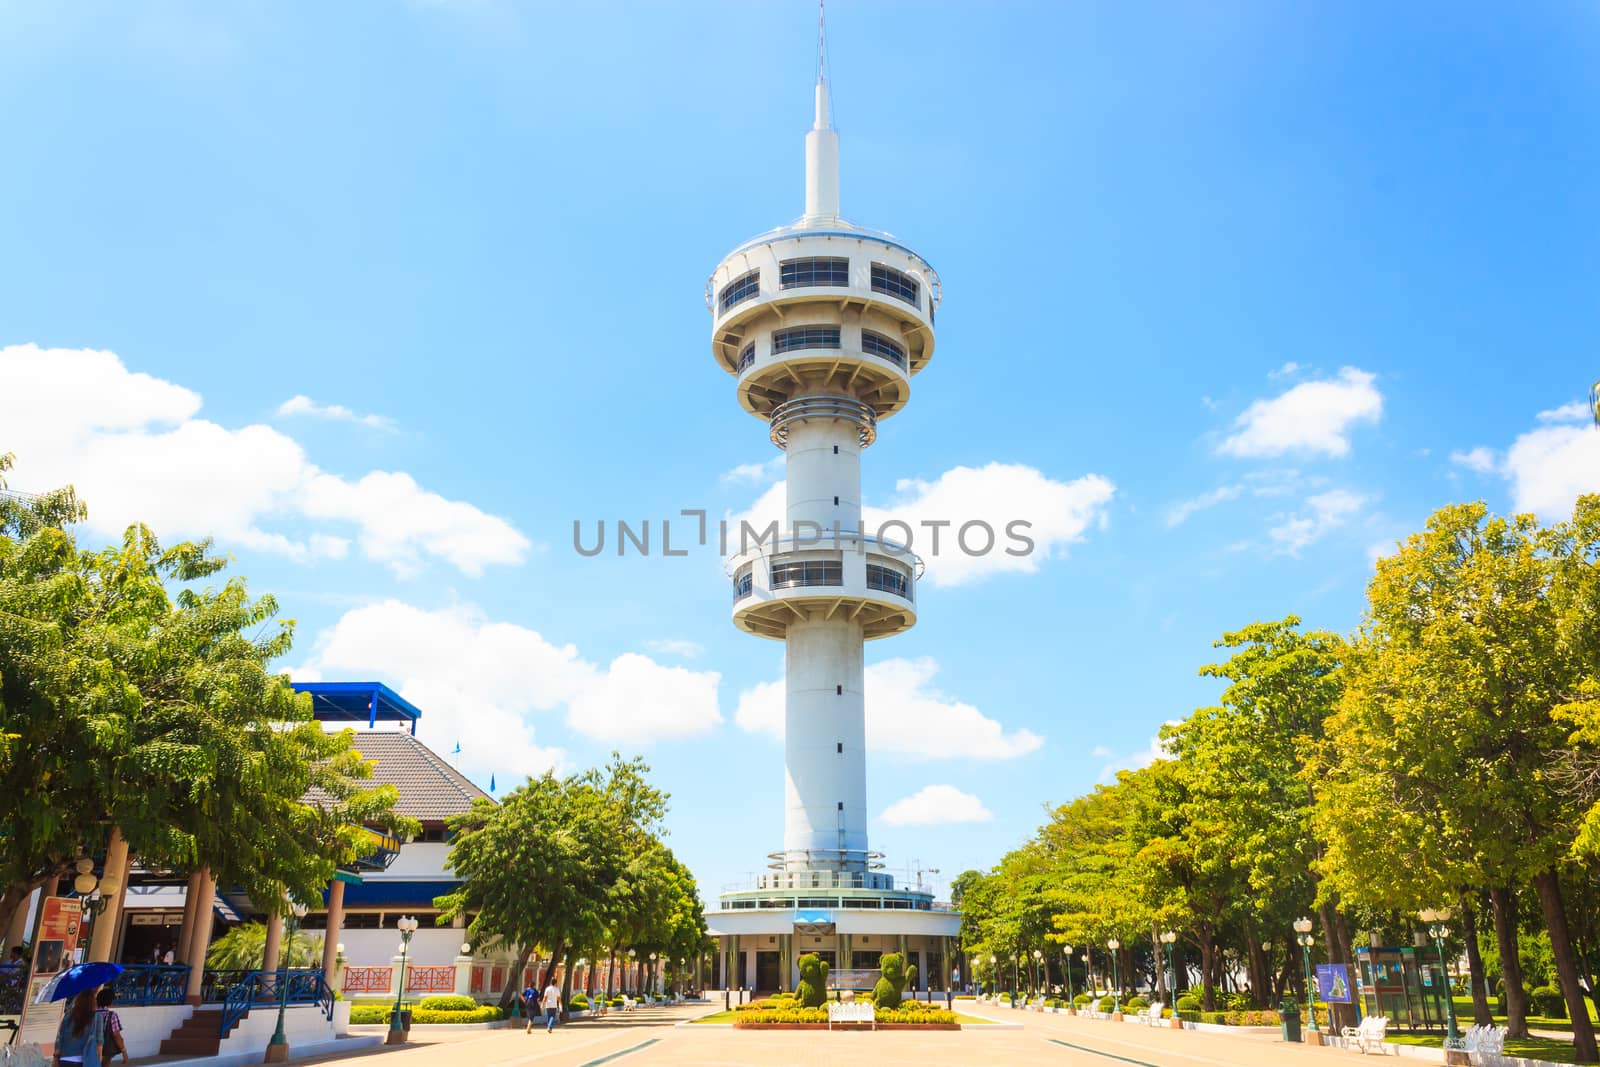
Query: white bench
[(1369, 1035), (840, 1012), (1487, 1040), (1151, 1016)]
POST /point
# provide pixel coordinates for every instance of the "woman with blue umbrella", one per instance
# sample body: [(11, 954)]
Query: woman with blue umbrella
[(78, 1036)]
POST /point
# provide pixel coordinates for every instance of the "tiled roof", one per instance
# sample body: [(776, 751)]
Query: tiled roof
[(430, 789)]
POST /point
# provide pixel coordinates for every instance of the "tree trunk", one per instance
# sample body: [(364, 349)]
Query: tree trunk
[(1208, 992), (1555, 921), (513, 991), (1336, 939), (1180, 970), (1481, 1015), (552, 964), (1503, 901), (566, 982)]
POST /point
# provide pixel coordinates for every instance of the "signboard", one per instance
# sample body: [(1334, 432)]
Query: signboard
[(55, 948), (1333, 982)]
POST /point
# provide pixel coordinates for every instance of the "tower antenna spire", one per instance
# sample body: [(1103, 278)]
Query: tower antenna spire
[(822, 40), (822, 143)]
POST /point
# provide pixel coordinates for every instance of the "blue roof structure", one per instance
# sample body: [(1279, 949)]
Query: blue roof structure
[(372, 702)]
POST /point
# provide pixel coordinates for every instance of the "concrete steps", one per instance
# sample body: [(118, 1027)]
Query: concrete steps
[(200, 1035)]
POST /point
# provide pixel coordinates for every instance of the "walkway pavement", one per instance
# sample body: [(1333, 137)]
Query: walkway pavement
[(652, 1038)]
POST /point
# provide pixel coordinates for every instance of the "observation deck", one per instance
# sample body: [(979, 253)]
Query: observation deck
[(853, 577), (839, 310)]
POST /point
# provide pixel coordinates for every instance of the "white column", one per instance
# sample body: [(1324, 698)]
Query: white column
[(335, 926), (464, 972), (113, 884), (200, 934)]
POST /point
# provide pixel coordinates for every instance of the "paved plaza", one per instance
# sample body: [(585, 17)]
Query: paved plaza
[(655, 1038)]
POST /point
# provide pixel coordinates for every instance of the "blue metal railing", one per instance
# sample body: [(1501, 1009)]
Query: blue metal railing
[(145, 984), (256, 989)]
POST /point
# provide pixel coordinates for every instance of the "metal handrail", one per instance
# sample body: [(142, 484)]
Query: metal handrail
[(264, 988), (145, 984)]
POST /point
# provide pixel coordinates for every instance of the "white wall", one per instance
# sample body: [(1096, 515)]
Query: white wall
[(430, 946)]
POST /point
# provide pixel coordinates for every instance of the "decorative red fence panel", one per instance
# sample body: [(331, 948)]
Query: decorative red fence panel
[(368, 979), (431, 979), (477, 979), (497, 979)]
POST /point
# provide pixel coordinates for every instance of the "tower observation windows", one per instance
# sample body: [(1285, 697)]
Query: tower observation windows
[(888, 580), (807, 572), (747, 356), (813, 270), (743, 581), (742, 288), (876, 344), (804, 337), (897, 284)]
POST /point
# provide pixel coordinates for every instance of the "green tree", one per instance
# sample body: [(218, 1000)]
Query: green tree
[(1450, 723), (244, 949)]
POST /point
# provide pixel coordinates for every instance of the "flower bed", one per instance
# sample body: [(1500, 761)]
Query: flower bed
[(782, 1013), (362, 1015)]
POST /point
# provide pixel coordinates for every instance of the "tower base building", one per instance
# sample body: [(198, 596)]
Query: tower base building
[(822, 324)]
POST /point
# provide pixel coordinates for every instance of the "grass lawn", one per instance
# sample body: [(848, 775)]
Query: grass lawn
[(1534, 1048), (1535, 1022)]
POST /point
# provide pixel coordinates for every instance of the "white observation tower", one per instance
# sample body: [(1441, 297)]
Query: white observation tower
[(822, 324)]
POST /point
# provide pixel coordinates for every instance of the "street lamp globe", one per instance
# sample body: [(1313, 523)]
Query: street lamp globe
[(1302, 925), (1168, 937), (1113, 944)]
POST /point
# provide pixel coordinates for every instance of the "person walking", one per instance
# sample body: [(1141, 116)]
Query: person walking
[(110, 1023), (530, 1004), (552, 1005), (78, 1035)]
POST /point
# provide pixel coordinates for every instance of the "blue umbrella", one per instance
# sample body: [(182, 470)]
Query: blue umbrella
[(74, 980)]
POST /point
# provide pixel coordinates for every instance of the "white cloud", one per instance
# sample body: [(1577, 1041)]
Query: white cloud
[(669, 647), (1180, 512), (1327, 511), (1285, 371), (754, 472), (1576, 411), (137, 452), (906, 716), (1156, 749), (482, 682), (936, 805), (1480, 459), (1551, 467), (1311, 417), (1051, 515), (304, 405)]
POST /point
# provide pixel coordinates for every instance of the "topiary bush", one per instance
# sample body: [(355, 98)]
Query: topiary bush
[(1188, 1002), (1107, 1005), (579, 1002), (1135, 1004), (886, 993), (1548, 1001), (488, 1014), (447, 1003), (1081, 1000), (813, 989)]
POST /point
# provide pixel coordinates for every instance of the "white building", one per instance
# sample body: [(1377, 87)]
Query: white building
[(823, 323)]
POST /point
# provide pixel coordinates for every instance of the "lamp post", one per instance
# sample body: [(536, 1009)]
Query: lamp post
[(1168, 938), (397, 1033), (1066, 959), (1439, 931), (1302, 931), (633, 978), (1038, 957), (278, 1047), (653, 982), (1116, 978)]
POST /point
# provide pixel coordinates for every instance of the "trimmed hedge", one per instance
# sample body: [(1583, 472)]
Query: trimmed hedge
[(1135, 1004), (1188, 1002), (1107, 1005), (447, 1003), (1081, 1000), (1548, 1001)]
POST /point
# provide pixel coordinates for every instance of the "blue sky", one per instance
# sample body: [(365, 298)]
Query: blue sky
[(1235, 295)]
